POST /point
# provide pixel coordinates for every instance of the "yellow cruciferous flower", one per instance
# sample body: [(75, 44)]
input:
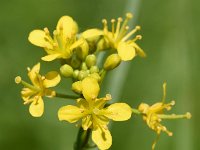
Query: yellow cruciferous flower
[(33, 93), (154, 114), (93, 113), (64, 39), (118, 38)]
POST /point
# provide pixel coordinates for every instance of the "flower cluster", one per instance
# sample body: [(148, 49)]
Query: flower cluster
[(78, 54)]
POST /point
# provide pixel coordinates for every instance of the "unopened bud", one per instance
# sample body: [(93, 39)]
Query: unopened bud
[(77, 87), (84, 66), (82, 74), (112, 62), (94, 69), (66, 70), (75, 74), (91, 60)]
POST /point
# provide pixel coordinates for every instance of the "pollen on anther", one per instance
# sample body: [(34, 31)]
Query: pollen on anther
[(138, 27), (139, 37), (112, 20), (119, 19), (188, 115), (129, 15), (104, 21), (18, 79), (46, 31)]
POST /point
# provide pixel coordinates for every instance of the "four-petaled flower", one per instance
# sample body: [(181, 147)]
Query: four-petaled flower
[(94, 114), (154, 114), (33, 93), (118, 37), (64, 40)]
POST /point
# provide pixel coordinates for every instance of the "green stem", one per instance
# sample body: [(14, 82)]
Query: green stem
[(103, 74), (82, 139), (60, 95), (135, 111)]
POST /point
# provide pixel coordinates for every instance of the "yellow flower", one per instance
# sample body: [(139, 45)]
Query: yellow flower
[(117, 38), (93, 114), (153, 115), (33, 93), (63, 42)]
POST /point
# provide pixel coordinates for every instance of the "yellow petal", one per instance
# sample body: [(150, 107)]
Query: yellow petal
[(33, 74), (118, 112), (90, 88), (51, 57), (37, 37), (126, 51), (67, 25), (102, 138), (51, 79), (36, 109), (138, 50), (70, 113), (87, 122), (91, 33)]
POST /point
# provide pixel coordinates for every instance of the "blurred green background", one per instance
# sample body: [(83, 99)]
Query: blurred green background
[(171, 36)]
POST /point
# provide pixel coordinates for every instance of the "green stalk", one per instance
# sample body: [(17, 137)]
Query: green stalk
[(82, 139)]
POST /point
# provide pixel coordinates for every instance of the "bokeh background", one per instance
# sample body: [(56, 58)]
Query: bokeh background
[(171, 36)]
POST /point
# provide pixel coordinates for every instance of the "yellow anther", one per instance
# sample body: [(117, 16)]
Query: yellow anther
[(108, 97), (112, 20), (127, 27), (43, 77), (172, 103), (18, 79), (129, 15), (119, 19), (104, 21), (188, 115), (139, 37), (46, 31), (29, 69)]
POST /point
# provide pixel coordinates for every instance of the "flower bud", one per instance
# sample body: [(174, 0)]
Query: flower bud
[(84, 66), (94, 69), (112, 62), (82, 74), (90, 60), (66, 70), (77, 87), (75, 74)]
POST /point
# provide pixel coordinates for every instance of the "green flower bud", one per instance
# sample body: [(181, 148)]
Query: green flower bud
[(66, 70), (75, 74), (94, 69), (77, 87), (90, 60), (84, 66), (82, 74), (112, 62)]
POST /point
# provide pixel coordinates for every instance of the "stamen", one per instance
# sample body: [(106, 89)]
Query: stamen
[(29, 69), (105, 24), (119, 20), (122, 33), (131, 33), (18, 79), (113, 26)]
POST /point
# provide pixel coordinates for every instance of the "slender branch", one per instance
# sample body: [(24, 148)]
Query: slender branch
[(135, 111)]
